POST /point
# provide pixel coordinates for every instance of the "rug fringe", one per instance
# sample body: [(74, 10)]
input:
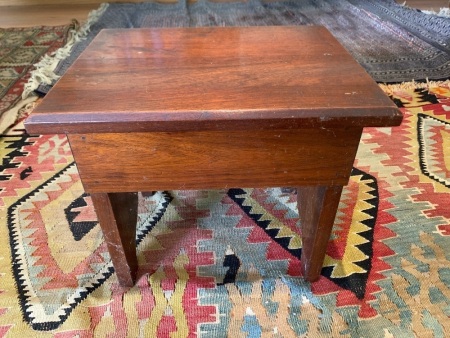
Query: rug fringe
[(45, 68), (390, 88), (444, 12), (9, 117)]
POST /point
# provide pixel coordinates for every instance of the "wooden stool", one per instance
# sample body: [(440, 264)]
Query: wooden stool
[(209, 108)]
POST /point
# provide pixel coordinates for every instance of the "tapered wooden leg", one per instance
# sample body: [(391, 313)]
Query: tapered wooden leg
[(117, 214), (317, 209)]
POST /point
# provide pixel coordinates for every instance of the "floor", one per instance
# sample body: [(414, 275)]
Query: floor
[(53, 15)]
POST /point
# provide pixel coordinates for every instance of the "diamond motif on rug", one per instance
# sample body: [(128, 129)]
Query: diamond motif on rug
[(55, 266), (267, 217), (208, 268), (434, 148)]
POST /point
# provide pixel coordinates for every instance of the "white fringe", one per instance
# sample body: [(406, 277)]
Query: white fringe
[(444, 12), (390, 88), (45, 68)]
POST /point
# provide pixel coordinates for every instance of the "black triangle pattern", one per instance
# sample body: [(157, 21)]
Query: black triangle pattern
[(21, 281), (78, 229), (239, 196), (421, 138), (356, 282)]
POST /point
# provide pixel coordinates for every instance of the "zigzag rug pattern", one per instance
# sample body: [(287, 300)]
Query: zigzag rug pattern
[(226, 263)]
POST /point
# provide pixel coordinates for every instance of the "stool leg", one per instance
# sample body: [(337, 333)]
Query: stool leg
[(317, 209), (117, 215)]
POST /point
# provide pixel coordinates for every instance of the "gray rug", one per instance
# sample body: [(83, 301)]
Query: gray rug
[(392, 42)]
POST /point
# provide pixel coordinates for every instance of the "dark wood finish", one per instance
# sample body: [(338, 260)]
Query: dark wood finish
[(143, 80), (317, 209), (194, 108), (196, 160), (117, 215)]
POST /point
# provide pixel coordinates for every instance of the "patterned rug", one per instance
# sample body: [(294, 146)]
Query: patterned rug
[(20, 49), (393, 43), (226, 263)]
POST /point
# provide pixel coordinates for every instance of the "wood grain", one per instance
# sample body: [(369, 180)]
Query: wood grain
[(206, 108), (43, 15), (212, 79), (197, 160), (117, 215), (317, 209)]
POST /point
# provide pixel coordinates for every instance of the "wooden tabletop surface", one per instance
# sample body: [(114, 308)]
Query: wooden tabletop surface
[(212, 78)]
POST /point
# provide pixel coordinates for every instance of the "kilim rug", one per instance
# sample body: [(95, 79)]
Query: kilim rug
[(226, 263), (20, 49), (393, 43)]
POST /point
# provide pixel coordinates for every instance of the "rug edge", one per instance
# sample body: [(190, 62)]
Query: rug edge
[(44, 72)]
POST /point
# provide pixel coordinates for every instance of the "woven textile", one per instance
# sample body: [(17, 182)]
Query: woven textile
[(392, 42), (226, 263), (20, 49)]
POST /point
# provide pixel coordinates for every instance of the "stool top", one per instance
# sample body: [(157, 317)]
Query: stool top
[(212, 78)]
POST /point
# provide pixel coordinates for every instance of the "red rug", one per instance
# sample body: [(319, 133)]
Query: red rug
[(226, 263)]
